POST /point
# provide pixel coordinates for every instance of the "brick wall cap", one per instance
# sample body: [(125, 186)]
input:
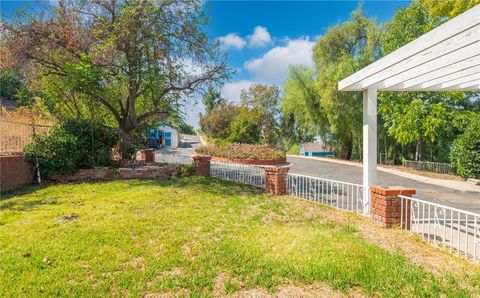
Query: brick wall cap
[(201, 156), (280, 169), (392, 190)]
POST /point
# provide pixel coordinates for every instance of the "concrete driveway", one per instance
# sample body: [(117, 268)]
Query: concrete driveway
[(466, 200)]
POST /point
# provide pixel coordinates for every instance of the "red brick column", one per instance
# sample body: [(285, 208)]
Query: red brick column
[(147, 155), (276, 180), (386, 205), (202, 163)]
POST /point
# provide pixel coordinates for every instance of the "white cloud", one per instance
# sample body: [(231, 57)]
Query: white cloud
[(259, 38), (231, 91), (272, 67), (232, 40)]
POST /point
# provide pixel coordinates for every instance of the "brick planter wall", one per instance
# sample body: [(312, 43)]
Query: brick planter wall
[(276, 180), (202, 163), (144, 172), (15, 172), (386, 205), (147, 155)]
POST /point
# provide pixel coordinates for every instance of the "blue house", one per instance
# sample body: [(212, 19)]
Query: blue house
[(315, 149)]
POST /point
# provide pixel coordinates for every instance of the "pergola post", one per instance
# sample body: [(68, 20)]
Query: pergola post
[(369, 144)]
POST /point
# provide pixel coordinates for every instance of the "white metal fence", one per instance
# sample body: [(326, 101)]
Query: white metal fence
[(453, 229), (174, 159), (247, 174), (428, 166), (342, 195)]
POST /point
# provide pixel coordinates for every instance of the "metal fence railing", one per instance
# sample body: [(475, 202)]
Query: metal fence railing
[(428, 166), (442, 226), (342, 195), (14, 136), (174, 159), (247, 174)]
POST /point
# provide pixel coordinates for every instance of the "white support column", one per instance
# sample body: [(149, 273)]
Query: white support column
[(369, 144)]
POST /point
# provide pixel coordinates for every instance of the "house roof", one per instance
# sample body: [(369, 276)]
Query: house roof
[(316, 147), (166, 124)]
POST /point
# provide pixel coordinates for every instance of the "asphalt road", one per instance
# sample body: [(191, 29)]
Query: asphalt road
[(353, 174)]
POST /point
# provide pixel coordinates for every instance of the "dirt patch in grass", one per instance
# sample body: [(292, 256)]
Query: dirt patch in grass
[(67, 218)]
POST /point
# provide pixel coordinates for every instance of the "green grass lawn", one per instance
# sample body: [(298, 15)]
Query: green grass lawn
[(197, 237)]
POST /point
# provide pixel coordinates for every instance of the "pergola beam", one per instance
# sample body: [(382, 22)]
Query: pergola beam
[(449, 32)]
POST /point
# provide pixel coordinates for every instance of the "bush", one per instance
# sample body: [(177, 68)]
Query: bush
[(465, 155), (242, 151), (245, 128), (94, 141), (55, 152), (74, 145), (294, 149)]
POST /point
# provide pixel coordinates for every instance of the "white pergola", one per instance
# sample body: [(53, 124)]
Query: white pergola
[(444, 59)]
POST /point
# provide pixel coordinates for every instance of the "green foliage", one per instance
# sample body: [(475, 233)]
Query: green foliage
[(256, 120), (242, 151), (424, 119), (211, 100), (465, 154), (246, 127), (13, 87), (294, 149), (94, 141), (74, 145), (449, 8), (187, 171), (263, 103), (54, 151), (186, 128), (130, 61), (312, 98), (217, 123)]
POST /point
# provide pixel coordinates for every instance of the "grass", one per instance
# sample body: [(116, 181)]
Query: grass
[(196, 237)]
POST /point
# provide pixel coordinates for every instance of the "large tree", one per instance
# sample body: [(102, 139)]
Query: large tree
[(134, 59), (344, 49), (419, 118), (263, 100)]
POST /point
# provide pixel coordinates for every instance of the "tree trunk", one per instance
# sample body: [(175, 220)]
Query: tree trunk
[(419, 150), (347, 150), (127, 147)]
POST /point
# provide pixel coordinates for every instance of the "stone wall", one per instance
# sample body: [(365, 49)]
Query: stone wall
[(15, 172)]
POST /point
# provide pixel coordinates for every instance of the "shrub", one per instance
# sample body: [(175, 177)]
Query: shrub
[(94, 141), (242, 151), (187, 171), (294, 149), (245, 127), (74, 145), (55, 152), (465, 155)]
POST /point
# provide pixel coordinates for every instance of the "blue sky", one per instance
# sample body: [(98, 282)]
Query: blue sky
[(262, 38)]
